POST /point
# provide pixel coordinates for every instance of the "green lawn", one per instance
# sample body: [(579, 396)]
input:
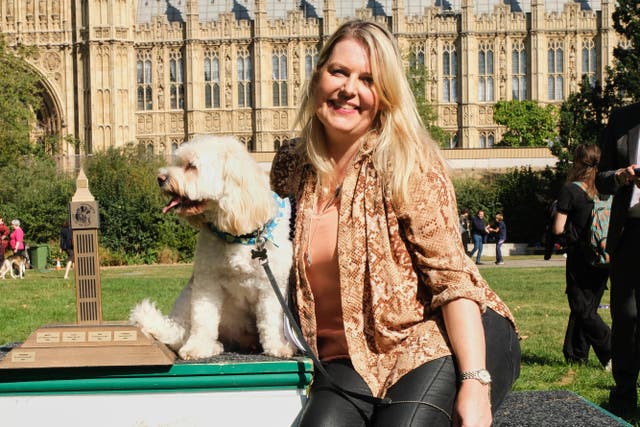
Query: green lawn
[(535, 295)]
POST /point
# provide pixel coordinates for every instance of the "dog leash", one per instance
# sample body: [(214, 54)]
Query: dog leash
[(261, 253)]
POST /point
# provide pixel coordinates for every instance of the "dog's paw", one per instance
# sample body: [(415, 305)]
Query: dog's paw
[(200, 348), (284, 350)]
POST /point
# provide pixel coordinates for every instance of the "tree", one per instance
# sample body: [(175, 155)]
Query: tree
[(19, 99), (626, 21), (132, 225), (417, 75), (582, 118), (528, 124)]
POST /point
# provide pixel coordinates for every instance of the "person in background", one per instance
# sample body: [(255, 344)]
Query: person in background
[(464, 229), (385, 295), (500, 230), (479, 231), (4, 239), (619, 176), (585, 283), (16, 238), (66, 245)]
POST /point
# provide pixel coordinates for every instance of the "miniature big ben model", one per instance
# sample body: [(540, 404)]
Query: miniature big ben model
[(83, 211), (90, 342)]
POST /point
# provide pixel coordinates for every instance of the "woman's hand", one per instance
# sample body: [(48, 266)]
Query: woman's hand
[(627, 175), (473, 406)]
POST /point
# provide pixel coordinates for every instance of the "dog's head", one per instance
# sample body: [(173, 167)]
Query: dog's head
[(215, 179)]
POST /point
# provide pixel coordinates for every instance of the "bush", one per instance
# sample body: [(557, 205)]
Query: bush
[(36, 194), (521, 195), (130, 203)]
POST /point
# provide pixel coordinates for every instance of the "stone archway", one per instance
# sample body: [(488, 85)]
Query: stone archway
[(49, 124)]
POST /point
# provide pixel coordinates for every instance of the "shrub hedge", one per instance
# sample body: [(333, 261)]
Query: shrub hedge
[(133, 229)]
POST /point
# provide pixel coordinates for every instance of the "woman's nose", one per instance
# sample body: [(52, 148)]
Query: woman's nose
[(349, 87)]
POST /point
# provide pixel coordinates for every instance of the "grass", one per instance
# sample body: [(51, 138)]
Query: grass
[(535, 295)]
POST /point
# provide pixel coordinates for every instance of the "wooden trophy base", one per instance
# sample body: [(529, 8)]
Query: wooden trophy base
[(106, 344)]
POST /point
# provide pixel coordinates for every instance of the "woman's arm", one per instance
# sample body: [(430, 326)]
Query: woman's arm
[(466, 334), (559, 222)]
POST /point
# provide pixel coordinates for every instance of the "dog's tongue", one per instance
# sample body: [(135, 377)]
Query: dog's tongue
[(172, 204)]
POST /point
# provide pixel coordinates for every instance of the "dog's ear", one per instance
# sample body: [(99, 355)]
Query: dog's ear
[(247, 202)]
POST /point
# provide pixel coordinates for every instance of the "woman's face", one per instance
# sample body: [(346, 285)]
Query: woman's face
[(346, 100)]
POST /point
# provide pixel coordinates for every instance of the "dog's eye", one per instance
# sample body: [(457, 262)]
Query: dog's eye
[(190, 167)]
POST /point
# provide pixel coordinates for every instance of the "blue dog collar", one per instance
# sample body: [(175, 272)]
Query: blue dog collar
[(265, 232)]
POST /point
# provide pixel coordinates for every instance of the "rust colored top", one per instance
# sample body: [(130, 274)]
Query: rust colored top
[(398, 264), (323, 274)]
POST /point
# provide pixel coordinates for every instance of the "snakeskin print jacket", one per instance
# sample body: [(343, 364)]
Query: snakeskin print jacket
[(398, 264)]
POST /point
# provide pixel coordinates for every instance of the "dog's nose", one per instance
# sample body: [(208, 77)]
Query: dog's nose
[(162, 178)]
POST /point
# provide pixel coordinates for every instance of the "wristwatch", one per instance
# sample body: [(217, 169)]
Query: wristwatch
[(481, 375)]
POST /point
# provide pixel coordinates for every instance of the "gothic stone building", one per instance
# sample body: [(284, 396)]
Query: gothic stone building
[(156, 72)]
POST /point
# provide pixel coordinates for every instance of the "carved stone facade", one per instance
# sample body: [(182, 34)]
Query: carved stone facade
[(156, 72)]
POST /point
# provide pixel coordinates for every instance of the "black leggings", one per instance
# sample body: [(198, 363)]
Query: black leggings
[(424, 396)]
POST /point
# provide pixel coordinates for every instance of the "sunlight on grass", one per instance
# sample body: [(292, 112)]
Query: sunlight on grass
[(535, 295)]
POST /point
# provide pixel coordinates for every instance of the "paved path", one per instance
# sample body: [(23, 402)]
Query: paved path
[(533, 261)]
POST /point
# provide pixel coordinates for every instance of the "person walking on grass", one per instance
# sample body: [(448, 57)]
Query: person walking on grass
[(66, 245), (500, 229), (479, 231), (586, 283)]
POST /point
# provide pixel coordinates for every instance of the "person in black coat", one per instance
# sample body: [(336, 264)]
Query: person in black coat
[(618, 176), (66, 245)]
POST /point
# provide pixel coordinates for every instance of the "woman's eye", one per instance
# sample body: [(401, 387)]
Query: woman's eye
[(368, 80)]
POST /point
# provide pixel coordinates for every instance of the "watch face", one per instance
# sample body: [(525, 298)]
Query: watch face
[(484, 376)]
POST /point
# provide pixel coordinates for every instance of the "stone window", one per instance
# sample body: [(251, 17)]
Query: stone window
[(279, 75), (416, 56), (310, 60), (211, 80), (589, 60), (144, 81), (449, 73), (518, 71), (245, 98), (555, 69), (176, 80), (485, 72), (487, 139), (453, 140)]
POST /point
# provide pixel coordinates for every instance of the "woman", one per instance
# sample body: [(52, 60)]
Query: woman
[(385, 293), (500, 229), (66, 245), (585, 283), (16, 238)]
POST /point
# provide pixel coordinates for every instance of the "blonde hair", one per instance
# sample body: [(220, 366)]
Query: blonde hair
[(403, 143), (586, 158)]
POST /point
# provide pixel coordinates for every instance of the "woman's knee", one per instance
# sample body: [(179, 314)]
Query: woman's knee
[(424, 396)]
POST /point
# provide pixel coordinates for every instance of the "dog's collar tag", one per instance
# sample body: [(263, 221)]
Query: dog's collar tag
[(263, 233)]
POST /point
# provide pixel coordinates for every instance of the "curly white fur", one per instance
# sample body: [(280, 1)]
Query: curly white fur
[(228, 301)]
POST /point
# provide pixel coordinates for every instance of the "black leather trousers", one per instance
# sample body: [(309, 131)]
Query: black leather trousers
[(423, 397)]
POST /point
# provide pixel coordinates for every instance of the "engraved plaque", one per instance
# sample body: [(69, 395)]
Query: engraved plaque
[(127, 336), (23, 356), (48, 337), (100, 336), (76, 336)]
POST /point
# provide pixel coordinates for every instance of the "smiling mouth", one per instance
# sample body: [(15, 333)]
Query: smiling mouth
[(184, 205), (340, 106)]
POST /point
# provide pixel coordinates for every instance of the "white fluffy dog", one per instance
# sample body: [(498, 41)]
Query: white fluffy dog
[(219, 188)]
